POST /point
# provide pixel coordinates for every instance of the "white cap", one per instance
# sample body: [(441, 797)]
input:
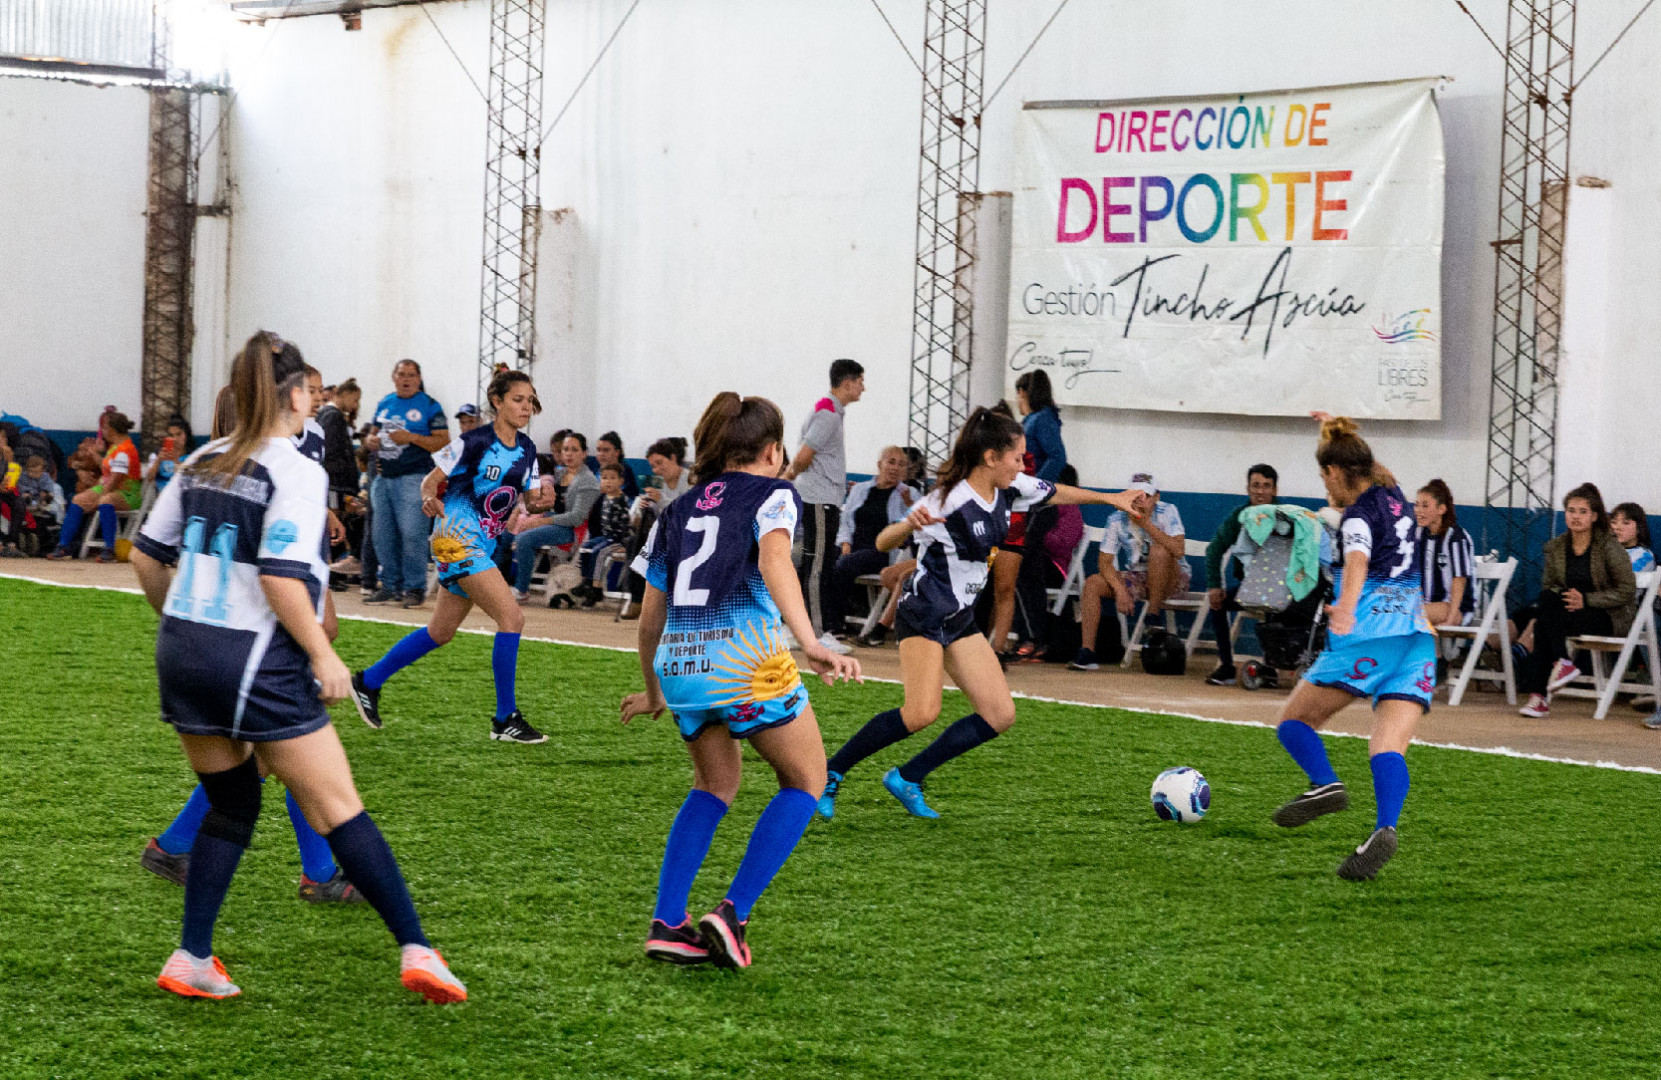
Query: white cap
[(1143, 482)]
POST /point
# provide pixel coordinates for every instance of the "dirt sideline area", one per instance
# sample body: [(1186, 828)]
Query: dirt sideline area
[(1483, 722)]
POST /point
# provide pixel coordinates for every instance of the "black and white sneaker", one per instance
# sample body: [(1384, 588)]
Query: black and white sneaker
[(382, 596), (724, 934), (682, 944), (1370, 857), (1223, 676), (1326, 799), (515, 728), (368, 701)]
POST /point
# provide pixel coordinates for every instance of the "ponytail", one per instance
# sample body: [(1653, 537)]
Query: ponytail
[(261, 385), (986, 429), (1342, 447), (734, 432)]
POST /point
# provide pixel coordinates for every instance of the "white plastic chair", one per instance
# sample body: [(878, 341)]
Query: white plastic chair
[(127, 522), (1606, 683), (1490, 581)]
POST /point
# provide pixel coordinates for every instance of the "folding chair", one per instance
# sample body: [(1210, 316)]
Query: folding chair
[(879, 602), (127, 522), (1073, 584), (1606, 683), (557, 555), (1490, 581), (1196, 603)]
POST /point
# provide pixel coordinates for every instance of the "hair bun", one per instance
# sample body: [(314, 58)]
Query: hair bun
[(1338, 427)]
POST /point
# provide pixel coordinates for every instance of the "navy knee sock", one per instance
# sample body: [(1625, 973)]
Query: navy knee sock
[(683, 854), (1389, 787), (960, 738), (410, 648), (776, 834), (178, 837), (227, 828), (106, 526), (883, 729), (370, 866), (1306, 748), (504, 661), (315, 860)]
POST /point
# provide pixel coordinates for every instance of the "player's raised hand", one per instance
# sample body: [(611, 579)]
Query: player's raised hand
[(1123, 500), (830, 667), (644, 703)]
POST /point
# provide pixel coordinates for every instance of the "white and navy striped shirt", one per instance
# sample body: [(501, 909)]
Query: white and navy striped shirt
[(954, 554), (1443, 558)]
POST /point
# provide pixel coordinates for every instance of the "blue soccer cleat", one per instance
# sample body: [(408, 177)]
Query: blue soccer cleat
[(909, 794), (827, 801)]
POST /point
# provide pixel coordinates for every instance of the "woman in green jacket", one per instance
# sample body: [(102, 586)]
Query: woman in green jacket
[(1586, 587)]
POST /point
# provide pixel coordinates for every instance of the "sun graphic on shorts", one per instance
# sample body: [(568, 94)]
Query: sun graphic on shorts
[(447, 545), (761, 668)]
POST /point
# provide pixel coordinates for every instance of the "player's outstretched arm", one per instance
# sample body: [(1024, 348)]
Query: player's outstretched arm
[(1067, 495), (786, 588), (654, 613)]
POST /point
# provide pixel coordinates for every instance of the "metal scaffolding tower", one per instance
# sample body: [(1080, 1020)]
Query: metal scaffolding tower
[(512, 188), (169, 244), (1528, 279), (954, 43)]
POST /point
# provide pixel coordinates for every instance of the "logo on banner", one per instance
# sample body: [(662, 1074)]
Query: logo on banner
[(1409, 326)]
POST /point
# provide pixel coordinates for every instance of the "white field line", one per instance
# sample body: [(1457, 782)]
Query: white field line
[(1495, 751)]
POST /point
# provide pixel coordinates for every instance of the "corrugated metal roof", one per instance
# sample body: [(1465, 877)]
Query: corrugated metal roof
[(106, 33)]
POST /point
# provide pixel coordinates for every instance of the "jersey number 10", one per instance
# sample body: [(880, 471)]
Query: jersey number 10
[(220, 550)]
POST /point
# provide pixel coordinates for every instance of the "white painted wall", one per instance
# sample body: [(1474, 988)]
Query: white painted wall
[(740, 184)]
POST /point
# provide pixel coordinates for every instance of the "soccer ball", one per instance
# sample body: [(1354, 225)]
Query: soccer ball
[(1180, 794)]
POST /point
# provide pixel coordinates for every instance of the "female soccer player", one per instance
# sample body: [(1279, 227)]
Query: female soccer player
[(487, 470), (246, 670), (958, 525), (1380, 646), (720, 590)]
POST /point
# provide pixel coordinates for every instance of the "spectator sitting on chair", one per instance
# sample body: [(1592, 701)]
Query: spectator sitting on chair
[(572, 491), (466, 418), (820, 473), (1152, 546), (409, 427), (1262, 488), (42, 504), (1630, 525), (608, 531), (608, 449), (872, 506), (118, 489), (1586, 587), (667, 457), (165, 461), (1447, 558)]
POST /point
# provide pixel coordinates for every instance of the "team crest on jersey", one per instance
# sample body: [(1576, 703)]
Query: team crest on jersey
[(979, 529), (413, 414), (713, 495), (280, 535)]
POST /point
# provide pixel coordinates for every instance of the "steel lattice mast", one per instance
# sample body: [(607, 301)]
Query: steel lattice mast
[(512, 192), (1528, 279), (949, 169)]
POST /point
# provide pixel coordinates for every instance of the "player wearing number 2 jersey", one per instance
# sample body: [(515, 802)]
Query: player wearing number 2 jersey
[(721, 589), (246, 669), (1380, 647), (484, 471)]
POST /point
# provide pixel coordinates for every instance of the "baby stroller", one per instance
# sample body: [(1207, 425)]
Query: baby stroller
[(1290, 628)]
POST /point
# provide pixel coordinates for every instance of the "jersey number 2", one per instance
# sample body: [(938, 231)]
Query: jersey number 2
[(220, 550), (685, 594)]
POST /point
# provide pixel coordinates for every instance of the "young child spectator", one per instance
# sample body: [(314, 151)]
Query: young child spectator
[(41, 504), (1630, 525), (608, 530)]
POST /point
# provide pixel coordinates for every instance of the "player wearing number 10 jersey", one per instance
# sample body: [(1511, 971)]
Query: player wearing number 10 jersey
[(1380, 647), (720, 591)]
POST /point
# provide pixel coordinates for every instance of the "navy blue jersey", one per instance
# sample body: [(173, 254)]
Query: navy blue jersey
[(310, 441), (723, 644), (1380, 525), (953, 556)]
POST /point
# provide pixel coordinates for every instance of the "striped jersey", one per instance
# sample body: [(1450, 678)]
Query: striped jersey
[(954, 555), (1443, 558)]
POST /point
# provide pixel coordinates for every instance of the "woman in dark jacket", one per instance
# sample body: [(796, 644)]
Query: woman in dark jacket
[(1586, 587), (1046, 457)]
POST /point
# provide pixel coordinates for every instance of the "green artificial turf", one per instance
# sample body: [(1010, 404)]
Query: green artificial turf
[(1047, 926)]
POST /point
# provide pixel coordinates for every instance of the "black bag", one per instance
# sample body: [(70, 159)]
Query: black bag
[(1163, 653)]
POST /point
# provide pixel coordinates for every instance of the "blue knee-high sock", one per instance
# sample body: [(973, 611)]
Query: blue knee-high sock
[(781, 826), (71, 525), (1307, 750), (410, 648), (315, 860), (177, 837), (106, 525), (689, 839), (960, 738), (1389, 787), (504, 661), (883, 729), (370, 866)]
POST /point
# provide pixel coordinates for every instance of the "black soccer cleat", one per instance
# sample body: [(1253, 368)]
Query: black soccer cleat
[(368, 701), (168, 867), (1370, 857), (515, 728), (1326, 799), (724, 934), (681, 944)]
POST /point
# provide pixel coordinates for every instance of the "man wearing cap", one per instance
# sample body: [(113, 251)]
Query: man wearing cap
[(467, 418), (1150, 544)]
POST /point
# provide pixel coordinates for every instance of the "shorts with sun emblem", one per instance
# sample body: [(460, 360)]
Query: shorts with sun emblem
[(460, 548), (742, 677)]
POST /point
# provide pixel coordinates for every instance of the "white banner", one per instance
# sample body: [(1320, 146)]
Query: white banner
[(1264, 254)]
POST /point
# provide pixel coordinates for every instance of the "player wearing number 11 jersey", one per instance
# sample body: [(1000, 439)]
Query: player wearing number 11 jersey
[(1380, 646), (720, 591)]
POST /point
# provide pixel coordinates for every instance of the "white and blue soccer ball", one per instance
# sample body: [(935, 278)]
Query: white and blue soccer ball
[(1181, 795)]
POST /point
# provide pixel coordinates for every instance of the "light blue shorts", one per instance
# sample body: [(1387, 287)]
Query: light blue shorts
[(1398, 668), (745, 719)]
